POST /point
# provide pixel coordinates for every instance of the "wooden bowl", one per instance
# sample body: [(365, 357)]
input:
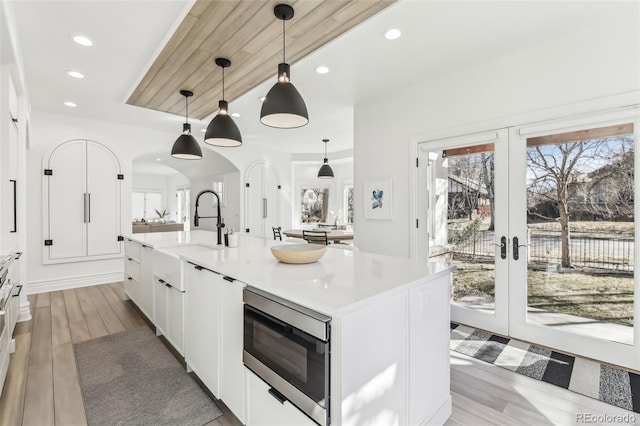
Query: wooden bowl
[(298, 253)]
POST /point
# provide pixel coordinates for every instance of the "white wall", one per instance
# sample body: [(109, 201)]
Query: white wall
[(305, 174), (585, 65)]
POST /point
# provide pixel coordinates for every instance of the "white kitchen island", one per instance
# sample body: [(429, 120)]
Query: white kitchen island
[(389, 358)]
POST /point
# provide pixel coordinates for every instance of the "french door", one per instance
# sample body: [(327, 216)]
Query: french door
[(467, 197), (539, 221)]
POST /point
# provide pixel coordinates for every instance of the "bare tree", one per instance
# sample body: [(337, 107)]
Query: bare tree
[(488, 178), (566, 174)]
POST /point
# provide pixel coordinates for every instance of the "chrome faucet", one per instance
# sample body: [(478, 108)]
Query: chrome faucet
[(196, 217)]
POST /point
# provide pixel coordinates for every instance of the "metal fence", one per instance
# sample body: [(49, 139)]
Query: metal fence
[(610, 254)]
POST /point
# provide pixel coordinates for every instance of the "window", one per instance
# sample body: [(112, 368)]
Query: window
[(145, 204), (183, 196), (348, 204), (314, 204), (218, 186)]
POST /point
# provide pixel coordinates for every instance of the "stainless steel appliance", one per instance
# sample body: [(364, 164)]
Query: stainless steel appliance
[(289, 347)]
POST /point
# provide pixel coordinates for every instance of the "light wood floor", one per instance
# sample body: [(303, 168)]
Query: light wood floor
[(42, 387)]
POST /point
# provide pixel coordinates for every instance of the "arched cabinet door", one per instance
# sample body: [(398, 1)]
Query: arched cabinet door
[(262, 207), (82, 214)]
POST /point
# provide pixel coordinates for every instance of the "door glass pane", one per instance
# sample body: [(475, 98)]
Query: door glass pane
[(464, 177), (580, 222)]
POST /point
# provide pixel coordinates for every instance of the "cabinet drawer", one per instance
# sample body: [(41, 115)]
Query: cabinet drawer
[(263, 409), (132, 268), (132, 250), (132, 288)]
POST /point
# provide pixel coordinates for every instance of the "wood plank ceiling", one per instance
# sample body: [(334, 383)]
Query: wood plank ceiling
[(247, 33)]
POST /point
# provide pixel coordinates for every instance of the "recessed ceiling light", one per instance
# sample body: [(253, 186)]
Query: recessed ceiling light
[(322, 69), (158, 159), (262, 98), (71, 104), (392, 34), (203, 130), (75, 74), (235, 114), (82, 40)]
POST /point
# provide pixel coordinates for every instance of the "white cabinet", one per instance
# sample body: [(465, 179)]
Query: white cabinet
[(202, 323), (138, 283), (146, 281), (214, 334), (262, 200), (170, 313), (82, 189), (232, 390), (265, 409)]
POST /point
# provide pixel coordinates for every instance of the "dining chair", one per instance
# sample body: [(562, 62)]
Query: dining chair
[(276, 232), (315, 237)]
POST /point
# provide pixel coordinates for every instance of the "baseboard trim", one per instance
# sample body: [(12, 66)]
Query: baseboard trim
[(442, 414), (43, 286)]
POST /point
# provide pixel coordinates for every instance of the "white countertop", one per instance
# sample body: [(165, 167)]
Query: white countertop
[(341, 281)]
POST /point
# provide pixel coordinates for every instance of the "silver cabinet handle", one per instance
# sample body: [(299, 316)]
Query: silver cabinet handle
[(87, 207), (264, 208)]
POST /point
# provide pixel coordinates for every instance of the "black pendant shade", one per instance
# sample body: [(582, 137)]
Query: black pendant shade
[(222, 130), (325, 171), (283, 106), (186, 147)]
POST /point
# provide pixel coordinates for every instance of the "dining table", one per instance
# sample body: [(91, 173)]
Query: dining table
[(333, 235)]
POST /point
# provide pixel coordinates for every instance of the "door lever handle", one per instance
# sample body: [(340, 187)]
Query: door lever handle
[(516, 248), (503, 247)]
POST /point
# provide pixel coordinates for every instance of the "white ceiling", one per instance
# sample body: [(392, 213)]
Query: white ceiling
[(437, 37)]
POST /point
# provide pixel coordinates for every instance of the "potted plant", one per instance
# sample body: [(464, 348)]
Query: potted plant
[(162, 214)]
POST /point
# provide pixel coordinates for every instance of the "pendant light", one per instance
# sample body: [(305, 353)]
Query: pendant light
[(222, 130), (186, 146), (283, 106), (325, 171)]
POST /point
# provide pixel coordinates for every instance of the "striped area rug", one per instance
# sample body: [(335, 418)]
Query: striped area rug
[(590, 378)]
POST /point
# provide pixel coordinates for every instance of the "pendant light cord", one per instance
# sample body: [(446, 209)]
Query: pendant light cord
[(186, 114), (283, 43), (222, 83)]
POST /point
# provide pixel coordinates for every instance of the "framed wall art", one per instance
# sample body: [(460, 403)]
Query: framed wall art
[(378, 199)]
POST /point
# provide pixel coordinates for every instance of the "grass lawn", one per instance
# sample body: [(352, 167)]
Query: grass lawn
[(599, 297)]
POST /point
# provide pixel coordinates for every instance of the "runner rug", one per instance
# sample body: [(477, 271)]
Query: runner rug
[(131, 378), (590, 378)]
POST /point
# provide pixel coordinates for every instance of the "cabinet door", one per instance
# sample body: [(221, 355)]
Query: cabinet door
[(175, 318), (146, 281), (103, 189), (202, 349), (161, 308), (66, 224), (232, 389)]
